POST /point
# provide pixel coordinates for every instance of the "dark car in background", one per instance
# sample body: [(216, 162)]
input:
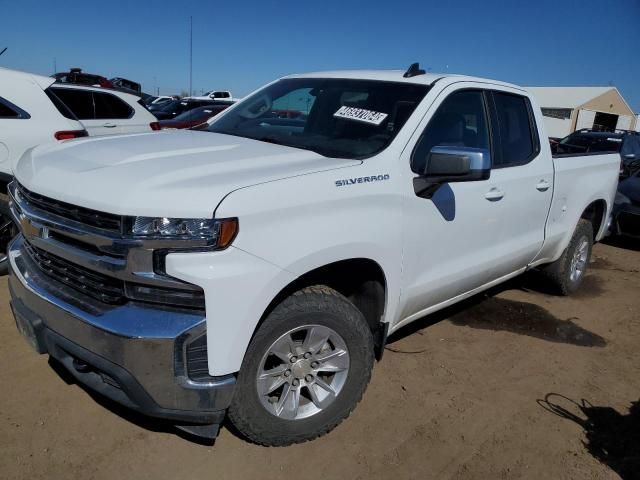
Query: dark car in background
[(624, 142), (193, 117), (158, 103), (176, 107), (626, 209)]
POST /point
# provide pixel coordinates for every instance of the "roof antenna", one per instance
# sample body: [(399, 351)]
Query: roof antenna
[(413, 70)]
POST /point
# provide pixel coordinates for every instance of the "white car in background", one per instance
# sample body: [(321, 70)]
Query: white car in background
[(162, 99), (220, 95), (29, 116), (35, 110)]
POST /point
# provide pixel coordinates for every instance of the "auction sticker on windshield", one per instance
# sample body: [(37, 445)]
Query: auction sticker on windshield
[(360, 115)]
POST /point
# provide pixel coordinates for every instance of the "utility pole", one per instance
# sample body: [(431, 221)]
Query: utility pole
[(191, 57), (55, 65)]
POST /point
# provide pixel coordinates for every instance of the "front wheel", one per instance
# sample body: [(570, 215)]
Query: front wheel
[(567, 273), (305, 369)]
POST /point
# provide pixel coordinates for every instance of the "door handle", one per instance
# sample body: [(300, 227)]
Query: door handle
[(109, 125), (494, 195), (543, 186)]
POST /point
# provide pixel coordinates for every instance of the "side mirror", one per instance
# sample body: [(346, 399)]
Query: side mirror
[(447, 164)]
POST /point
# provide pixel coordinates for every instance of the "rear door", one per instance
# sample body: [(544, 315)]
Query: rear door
[(522, 177)]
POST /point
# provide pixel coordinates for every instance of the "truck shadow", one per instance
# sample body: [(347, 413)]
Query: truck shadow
[(487, 312), (151, 424), (612, 438)]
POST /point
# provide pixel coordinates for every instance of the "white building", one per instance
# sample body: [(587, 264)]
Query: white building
[(567, 109)]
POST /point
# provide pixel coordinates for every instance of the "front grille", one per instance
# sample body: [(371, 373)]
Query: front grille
[(629, 223), (96, 285), (93, 218)]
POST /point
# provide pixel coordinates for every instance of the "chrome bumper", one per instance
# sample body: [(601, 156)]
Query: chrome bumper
[(133, 353)]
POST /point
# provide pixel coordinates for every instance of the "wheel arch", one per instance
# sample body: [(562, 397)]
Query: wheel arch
[(596, 213), (361, 280)]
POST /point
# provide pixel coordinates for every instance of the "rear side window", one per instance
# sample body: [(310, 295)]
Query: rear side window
[(62, 108), (88, 105), (110, 106), (9, 110), (517, 138), (80, 102)]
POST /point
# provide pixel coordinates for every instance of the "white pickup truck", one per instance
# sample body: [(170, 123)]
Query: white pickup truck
[(255, 268)]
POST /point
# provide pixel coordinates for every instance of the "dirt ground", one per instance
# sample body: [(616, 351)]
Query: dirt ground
[(516, 383)]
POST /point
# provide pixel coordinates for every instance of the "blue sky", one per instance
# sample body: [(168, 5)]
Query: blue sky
[(242, 45)]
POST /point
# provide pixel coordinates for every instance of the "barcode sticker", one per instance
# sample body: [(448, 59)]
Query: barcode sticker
[(360, 115)]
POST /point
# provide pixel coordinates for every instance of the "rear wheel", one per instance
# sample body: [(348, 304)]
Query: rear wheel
[(567, 273), (305, 369)]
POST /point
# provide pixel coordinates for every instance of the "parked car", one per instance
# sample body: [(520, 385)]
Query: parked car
[(105, 112), (219, 95), (29, 116), (192, 117), (625, 142), (258, 266), (157, 103), (77, 77), (173, 109), (626, 210)]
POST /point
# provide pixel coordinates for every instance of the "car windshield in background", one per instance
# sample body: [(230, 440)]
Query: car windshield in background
[(585, 143), (333, 117)]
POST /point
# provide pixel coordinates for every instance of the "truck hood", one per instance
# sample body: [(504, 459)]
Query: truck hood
[(174, 173)]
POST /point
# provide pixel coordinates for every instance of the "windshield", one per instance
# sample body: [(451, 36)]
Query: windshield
[(578, 143), (333, 117)]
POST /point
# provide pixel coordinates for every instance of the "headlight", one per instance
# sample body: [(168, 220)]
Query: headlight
[(216, 232), (192, 227)]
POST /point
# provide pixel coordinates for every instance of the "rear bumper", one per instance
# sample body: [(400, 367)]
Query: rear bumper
[(134, 354)]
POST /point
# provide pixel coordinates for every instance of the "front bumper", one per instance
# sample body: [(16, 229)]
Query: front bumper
[(132, 353)]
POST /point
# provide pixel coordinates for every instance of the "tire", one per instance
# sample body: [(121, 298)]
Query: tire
[(322, 310), (562, 273)]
